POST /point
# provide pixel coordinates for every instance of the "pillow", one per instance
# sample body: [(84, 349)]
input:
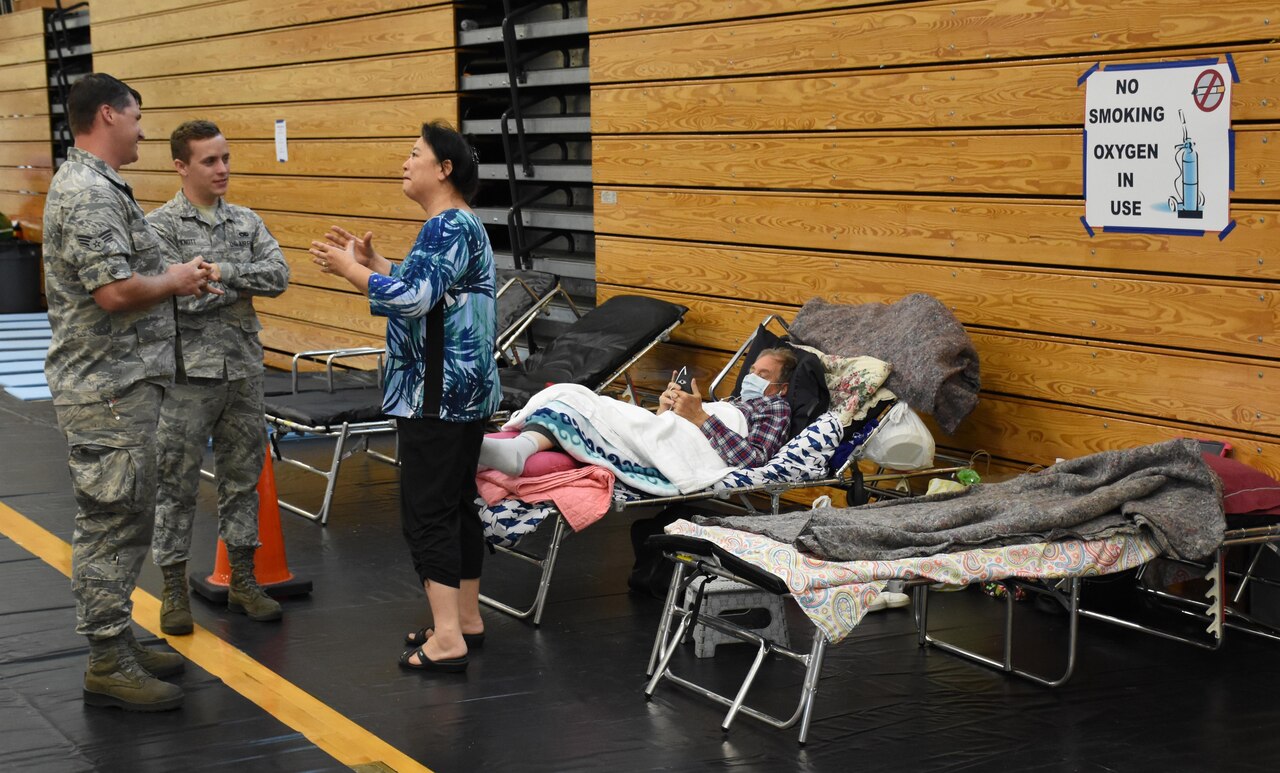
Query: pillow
[(806, 391), (1245, 489), (543, 462), (851, 382)]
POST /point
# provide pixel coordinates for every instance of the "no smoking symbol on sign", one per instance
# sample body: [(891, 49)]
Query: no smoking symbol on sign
[(1209, 90)]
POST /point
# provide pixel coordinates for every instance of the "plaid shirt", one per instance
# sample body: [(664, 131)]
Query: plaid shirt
[(768, 419)]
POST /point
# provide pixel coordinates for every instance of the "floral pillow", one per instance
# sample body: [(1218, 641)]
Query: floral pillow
[(851, 381)]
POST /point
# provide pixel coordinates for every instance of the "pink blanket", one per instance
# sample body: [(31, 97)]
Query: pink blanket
[(582, 494)]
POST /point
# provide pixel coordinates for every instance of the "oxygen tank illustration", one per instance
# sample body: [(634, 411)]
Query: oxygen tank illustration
[(1187, 183)]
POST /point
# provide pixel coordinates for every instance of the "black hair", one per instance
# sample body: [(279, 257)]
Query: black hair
[(180, 140), (92, 92), (449, 145)]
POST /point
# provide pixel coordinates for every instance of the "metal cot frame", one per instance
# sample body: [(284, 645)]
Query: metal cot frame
[(341, 432), (680, 616), (1218, 613)]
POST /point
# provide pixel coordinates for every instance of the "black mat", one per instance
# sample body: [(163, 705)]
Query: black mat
[(568, 696)]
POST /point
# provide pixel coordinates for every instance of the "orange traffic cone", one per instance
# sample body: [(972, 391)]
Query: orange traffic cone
[(269, 564)]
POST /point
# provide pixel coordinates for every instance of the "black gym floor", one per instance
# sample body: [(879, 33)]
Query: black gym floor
[(325, 691)]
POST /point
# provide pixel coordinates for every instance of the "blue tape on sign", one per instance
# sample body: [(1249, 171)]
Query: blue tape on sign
[(1164, 65), (1223, 233), (1235, 74), (1123, 229), (1231, 157), (1087, 73), (1086, 225)]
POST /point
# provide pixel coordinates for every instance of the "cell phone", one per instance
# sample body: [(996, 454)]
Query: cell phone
[(1215, 447), (684, 380)]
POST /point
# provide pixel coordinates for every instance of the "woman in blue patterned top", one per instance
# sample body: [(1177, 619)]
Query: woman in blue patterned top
[(441, 382)]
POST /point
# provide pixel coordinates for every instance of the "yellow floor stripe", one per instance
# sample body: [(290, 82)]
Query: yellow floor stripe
[(349, 743)]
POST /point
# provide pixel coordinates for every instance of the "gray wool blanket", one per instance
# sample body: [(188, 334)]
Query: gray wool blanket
[(935, 367), (1166, 489)]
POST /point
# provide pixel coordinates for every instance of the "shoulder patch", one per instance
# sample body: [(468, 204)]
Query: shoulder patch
[(94, 243)]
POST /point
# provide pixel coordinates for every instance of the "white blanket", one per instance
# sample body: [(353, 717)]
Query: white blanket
[(666, 442)]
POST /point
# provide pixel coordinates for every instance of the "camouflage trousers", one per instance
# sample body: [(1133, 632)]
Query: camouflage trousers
[(231, 413), (112, 460)]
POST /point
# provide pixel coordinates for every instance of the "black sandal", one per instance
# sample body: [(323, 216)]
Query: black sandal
[(449, 666), (473, 640)]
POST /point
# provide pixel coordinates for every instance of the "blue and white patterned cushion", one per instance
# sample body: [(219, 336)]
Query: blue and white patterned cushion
[(509, 520), (807, 456)]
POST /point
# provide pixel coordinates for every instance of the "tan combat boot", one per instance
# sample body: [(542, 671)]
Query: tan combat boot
[(244, 594), (175, 607), (114, 678), (161, 665)]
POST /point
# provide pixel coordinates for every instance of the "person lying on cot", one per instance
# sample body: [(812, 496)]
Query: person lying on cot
[(742, 431)]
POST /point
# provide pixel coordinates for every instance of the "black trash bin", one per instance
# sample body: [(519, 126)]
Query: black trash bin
[(19, 277)]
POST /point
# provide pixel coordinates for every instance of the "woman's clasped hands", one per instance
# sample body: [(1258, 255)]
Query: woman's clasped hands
[(341, 250)]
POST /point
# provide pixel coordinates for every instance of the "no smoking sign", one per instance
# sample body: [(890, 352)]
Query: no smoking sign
[(1157, 147), (1209, 91)]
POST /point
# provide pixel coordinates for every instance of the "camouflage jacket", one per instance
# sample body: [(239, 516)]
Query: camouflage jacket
[(95, 234), (219, 333)]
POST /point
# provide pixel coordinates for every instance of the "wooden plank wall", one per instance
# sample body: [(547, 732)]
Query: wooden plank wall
[(751, 155), (26, 150), (353, 79)]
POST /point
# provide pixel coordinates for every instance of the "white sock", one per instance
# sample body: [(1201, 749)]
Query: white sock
[(508, 455)]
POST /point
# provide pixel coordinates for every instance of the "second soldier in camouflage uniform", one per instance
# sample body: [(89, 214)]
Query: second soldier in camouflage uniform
[(221, 393), (110, 359)]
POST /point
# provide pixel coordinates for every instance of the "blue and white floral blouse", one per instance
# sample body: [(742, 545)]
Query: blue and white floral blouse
[(441, 321)]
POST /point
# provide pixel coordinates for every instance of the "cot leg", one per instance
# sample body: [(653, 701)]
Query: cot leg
[(668, 613), (670, 649), (1009, 597), (548, 566), (1248, 573), (920, 604), (809, 691), (741, 697), (331, 477)]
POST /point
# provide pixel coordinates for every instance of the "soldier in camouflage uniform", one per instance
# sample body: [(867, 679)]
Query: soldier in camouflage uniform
[(111, 358), (221, 393)]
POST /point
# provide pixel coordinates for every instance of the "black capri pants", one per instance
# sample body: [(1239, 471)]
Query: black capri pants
[(437, 498)]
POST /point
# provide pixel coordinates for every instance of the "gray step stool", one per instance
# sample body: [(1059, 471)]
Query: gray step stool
[(741, 604)]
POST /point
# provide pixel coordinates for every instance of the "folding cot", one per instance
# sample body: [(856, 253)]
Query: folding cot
[(346, 404), (803, 462), (835, 594), (1252, 504)]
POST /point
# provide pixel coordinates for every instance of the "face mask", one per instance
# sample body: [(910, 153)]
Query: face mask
[(753, 386)]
